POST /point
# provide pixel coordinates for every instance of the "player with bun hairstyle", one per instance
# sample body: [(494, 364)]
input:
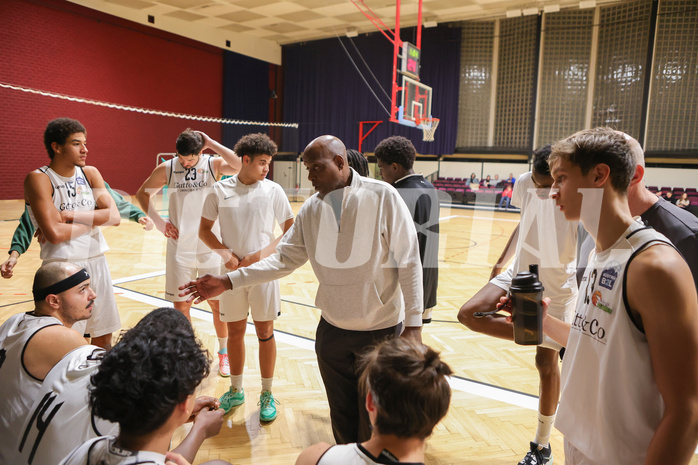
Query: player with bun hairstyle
[(407, 394)]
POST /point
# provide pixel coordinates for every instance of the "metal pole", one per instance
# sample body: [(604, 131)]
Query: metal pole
[(396, 48), (419, 26)]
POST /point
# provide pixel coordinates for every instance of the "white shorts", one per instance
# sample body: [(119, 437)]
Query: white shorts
[(574, 457), (561, 312), (179, 272), (105, 316), (263, 300)]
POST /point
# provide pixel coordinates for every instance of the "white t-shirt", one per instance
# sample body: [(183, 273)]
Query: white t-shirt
[(17, 386), (103, 451), (72, 193), (246, 213), (61, 419), (610, 406), (547, 239)]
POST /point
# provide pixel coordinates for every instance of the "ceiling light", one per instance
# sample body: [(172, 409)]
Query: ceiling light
[(353, 32), (551, 8), (430, 23), (530, 11), (513, 13), (587, 4)]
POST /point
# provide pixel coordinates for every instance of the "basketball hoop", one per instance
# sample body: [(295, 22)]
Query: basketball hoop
[(429, 126)]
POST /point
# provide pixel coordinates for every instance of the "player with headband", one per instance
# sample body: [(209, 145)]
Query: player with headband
[(32, 343)]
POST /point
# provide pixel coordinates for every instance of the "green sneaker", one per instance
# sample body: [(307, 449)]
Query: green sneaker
[(267, 409), (232, 398)]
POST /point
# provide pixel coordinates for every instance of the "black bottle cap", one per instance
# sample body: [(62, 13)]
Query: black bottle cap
[(533, 268), (526, 281)]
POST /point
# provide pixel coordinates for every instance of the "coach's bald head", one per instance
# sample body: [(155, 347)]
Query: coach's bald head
[(325, 158)]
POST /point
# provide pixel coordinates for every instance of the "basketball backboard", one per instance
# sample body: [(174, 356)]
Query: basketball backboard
[(415, 103)]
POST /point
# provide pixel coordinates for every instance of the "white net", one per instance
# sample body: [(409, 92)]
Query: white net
[(147, 111), (429, 126)]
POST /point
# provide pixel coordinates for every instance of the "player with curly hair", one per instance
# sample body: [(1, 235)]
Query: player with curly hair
[(396, 157), (248, 206), (147, 385)]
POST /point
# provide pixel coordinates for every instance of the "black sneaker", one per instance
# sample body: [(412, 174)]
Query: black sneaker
[(538, 455)]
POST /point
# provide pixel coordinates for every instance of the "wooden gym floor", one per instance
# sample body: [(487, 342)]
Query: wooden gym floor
[(493, 410)]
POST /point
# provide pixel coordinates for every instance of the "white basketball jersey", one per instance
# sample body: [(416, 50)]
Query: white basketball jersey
[(102, 451), (72, 193), (60, 418), (187, 189), (350, 454), (17, 386), (610, 406)]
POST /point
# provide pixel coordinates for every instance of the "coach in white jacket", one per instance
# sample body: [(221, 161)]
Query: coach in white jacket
[(359, 237)]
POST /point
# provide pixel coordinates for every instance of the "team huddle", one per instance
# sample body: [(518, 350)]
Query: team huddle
[(625, 324)]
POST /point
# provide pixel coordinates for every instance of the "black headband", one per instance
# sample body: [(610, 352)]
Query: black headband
[(68, 283)]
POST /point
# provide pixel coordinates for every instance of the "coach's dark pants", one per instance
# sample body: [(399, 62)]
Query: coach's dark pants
[(337, 352)]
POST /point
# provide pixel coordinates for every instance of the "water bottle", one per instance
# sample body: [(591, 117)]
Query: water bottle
[(527, 307)]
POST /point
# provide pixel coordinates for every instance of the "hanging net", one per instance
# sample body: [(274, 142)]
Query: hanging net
[(428, 126)]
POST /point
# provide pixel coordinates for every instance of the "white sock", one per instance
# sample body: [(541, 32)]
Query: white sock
[(236, 381), (545, 426), (266, 384), (223, 345)]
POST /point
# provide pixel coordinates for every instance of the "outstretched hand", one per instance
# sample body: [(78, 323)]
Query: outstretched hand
[(205, 287)]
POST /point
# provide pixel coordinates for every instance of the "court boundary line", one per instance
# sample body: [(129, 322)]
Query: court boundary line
[(477, 388)]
